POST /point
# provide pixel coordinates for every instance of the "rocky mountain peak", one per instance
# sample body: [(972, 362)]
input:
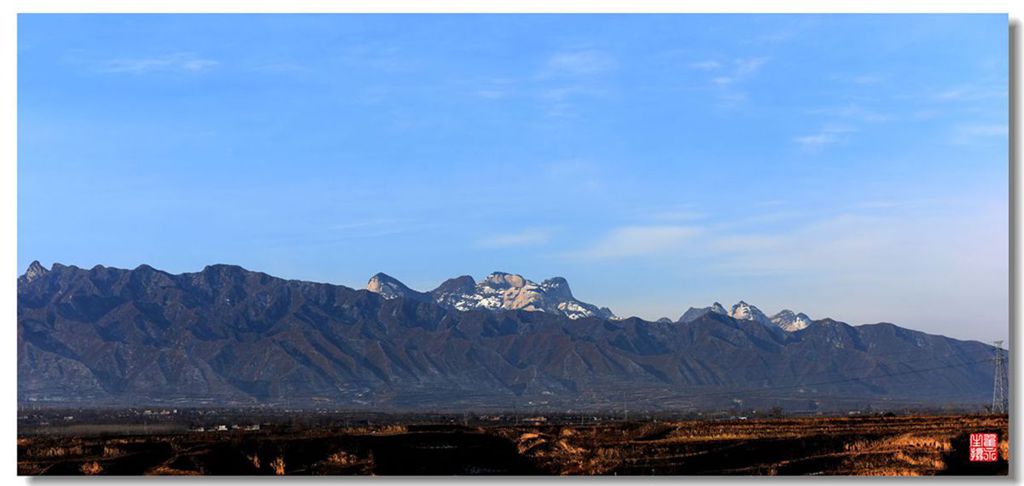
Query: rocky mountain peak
[(694, 313), (387, 286), (557, 287), (506, 280), (498, 291), (34, 271), (743, 311), (786, 320), (56, 267), (218, 269), (458, 285), (95, 337), (790, 321)]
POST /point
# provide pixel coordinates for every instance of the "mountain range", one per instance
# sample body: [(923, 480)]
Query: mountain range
[(229, 336), (499, 290), (507, 291), (785, 320)]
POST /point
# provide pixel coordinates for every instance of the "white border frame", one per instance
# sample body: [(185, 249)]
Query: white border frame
[(9, 122)]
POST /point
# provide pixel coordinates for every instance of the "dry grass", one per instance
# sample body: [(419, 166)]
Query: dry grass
[(568, 452), (893, 446), (342, 458), (91, 468), (112, 451), (169, 471), (254, 459), (389, 429), (56, 451), (278, 465)]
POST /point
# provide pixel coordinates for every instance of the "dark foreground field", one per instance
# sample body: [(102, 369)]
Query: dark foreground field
[(905, 445)]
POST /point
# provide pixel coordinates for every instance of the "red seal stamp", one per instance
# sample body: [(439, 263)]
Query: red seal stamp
[(984, 447)]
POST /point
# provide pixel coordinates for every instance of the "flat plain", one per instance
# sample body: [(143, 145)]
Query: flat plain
[(909, 445)]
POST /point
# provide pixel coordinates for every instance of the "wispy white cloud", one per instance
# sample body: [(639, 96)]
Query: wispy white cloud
[(580, 62), (381, 56), (863, 79), (853, 112), (526, 237), (492, 88), (560, 101), (831, 243), (887, 204), (816, 141), (867, 79), (731, 99), (369, 228), (773, 217), (969, 93), (569, 74), (574, 174), (875, 261), (970, 133), (748, 66), (741, 68), (563, 93), (985, 130), (745, 243), (491, 94), (846, 119), (723, 80), (676, 214), (174, 62), (827, 135), (634, 241), (282, 67), (727, 76), (776, 37), (709, 65), (878, 204)]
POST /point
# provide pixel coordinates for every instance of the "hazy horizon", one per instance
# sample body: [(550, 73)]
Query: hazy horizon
[(853, 167)]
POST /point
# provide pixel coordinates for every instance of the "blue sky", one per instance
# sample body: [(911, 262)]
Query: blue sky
[(849, 166)]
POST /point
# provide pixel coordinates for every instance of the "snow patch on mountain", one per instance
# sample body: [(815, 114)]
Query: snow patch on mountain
[(786, 320), (743, 311), (509, 291), (790, 321), (497, 291)]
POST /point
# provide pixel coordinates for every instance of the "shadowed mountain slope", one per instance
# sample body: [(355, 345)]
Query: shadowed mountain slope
[(229, 336)]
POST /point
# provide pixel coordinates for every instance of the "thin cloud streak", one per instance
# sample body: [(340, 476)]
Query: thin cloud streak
[(176, 62), (526, 237), (827, 135), (583, 62), (727, 81), (635, 241)]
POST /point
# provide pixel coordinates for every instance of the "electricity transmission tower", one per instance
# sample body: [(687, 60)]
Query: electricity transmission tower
[(999, 395)]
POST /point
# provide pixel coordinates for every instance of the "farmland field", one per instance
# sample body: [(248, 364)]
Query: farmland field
[(874, 445)]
